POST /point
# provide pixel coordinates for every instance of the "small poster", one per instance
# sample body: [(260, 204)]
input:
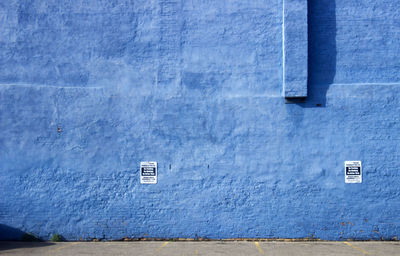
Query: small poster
[(148, 172), (353, 171)]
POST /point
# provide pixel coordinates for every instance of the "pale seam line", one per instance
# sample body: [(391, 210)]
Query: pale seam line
[(260, 250), (162, 246), (357, 248), (62, 247)]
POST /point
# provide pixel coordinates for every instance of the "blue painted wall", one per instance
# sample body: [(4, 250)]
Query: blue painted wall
[(90, 89)]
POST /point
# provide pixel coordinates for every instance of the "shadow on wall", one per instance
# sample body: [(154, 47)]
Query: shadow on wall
[(321, 50), (10, 234)]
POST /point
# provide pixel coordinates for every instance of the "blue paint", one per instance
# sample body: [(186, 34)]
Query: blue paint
[(295, 48), (90, 90)]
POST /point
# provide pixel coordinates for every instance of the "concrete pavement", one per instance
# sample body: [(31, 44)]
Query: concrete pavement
[(231, 248)]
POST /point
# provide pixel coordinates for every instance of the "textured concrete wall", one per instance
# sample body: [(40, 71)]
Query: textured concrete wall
[(90, 89)]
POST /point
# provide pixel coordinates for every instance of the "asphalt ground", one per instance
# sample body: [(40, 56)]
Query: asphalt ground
[(232, 248)]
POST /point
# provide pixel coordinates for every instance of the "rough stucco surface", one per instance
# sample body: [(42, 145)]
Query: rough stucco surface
[(88, 90)]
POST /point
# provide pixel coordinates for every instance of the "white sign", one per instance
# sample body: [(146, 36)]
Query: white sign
[(148, 172), (352, 172)]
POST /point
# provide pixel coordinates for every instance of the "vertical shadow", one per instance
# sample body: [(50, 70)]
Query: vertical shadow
[(321, 50)]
